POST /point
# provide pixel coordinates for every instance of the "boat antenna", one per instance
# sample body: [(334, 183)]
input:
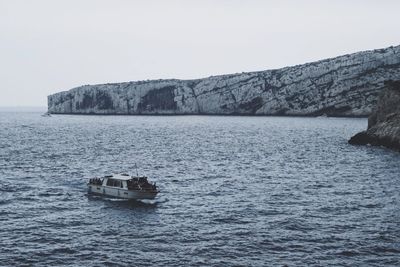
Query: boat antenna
[(137, 174)]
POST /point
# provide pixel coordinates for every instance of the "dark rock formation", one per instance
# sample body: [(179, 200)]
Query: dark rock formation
[(343, 86), (384, 122)]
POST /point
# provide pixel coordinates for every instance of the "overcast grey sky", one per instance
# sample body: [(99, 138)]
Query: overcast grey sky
[(48, 46)]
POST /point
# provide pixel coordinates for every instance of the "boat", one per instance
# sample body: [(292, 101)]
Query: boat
[(323, 116), (123, 186), (47, 114)]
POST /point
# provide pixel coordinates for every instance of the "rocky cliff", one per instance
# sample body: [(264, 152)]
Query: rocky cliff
[(343, 86), (384, 122)]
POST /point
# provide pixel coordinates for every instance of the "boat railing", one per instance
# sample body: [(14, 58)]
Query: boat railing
[(96, 181)]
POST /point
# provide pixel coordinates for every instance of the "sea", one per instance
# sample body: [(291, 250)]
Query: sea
[(234, 191)]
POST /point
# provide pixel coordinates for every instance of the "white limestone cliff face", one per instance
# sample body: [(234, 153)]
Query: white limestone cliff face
[(343, 86)]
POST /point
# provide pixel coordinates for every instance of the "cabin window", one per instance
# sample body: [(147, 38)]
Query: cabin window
[(115, 183)]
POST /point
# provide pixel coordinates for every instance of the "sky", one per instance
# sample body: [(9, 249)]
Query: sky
[(48, 46)]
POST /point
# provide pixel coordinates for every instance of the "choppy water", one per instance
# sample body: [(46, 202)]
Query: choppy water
[(236, 191)]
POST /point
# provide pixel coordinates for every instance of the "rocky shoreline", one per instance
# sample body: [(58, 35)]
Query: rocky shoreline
[(343, 86), (384, 122)]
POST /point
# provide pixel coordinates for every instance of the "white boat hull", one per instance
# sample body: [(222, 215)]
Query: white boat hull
[(120, 192)]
